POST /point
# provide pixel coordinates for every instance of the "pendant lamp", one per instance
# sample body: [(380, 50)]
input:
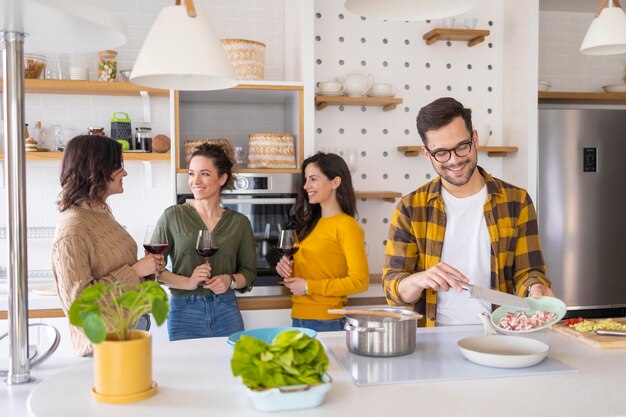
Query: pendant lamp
[(182, 52), (409, 9), (607, 33)]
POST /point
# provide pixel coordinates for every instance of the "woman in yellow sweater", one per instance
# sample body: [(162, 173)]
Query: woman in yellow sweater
[(331, 262)]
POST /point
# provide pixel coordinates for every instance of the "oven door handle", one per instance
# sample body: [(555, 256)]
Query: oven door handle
[(258, 201)]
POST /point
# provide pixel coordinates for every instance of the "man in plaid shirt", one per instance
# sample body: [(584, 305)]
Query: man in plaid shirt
[(463, 225)]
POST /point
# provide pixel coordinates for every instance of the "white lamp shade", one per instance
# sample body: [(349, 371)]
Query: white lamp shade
[(607, 33), (183, 53), (409, 9), (62, 26)]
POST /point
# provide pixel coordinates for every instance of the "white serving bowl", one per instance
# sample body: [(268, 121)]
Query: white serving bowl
[(615, 88)]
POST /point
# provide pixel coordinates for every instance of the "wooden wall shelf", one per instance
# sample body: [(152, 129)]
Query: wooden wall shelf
[(551, 96), (89, 88), (493, 151), (128, 156), (388, 103), (389, 196), (471, 36)]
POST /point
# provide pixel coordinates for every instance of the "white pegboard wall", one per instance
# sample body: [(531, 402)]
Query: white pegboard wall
[(394, 52)]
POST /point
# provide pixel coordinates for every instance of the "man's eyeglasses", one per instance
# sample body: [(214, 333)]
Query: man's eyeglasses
[(444, 155)]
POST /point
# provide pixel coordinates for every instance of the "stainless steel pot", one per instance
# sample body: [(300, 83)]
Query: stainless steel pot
[(376, 335)]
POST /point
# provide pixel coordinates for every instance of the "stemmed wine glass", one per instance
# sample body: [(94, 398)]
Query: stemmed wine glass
[(288, 243), (205, 245), (155, 242)]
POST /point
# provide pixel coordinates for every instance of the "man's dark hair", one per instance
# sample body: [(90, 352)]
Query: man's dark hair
[(440, 113)]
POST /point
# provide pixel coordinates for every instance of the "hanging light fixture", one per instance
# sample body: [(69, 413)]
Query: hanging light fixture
[(409, 9), (182, 52), (607, 33)]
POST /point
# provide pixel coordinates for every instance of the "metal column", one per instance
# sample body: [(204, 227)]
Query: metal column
[(15, 174)]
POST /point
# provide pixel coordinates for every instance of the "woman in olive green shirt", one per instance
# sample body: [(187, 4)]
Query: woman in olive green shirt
[(203, 302)]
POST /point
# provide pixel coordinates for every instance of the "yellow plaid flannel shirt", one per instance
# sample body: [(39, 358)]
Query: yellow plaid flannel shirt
[(416, 237)]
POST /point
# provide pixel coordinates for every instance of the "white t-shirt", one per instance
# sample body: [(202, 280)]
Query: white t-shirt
[(466, 247)]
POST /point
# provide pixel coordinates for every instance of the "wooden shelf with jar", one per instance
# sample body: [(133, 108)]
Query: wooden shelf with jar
[(471, 36), (128, 156), (388, 103), (493, 151), (389, 196), (89, 88)]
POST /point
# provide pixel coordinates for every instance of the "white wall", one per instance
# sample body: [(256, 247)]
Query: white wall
[(560, 60), (394, 52)]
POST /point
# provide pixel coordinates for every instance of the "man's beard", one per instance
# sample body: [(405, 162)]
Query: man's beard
[(470, 167)]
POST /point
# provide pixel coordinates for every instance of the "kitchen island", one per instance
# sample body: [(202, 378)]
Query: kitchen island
[(195, 380)]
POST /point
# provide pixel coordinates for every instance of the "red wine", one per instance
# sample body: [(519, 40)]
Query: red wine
[(288, 251), (206, 252), (156, 249)]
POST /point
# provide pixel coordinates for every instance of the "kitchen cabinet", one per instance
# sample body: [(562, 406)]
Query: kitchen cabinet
[(471, 36), (234, 114), (388, 103), (36, 86), (493, 151)]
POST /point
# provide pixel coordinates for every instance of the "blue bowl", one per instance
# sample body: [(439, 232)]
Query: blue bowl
[(267, 334)]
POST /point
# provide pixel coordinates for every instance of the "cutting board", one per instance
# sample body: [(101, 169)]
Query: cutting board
[(592, 339)]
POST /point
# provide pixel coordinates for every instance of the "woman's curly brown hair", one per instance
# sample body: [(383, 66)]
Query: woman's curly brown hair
[(88, 165)]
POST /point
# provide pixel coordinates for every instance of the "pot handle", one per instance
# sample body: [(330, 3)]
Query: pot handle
[(351, 327), (489, 327)]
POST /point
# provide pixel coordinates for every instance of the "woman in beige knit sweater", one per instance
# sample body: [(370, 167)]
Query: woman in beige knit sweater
[(89, 245)]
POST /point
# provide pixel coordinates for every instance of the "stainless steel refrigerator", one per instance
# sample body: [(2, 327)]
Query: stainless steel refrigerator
[(581, 203)]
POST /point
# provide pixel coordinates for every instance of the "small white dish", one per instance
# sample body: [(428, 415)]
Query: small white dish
[(615, 88), (331, 94), (503, 351), (543, 86), (381, 94)]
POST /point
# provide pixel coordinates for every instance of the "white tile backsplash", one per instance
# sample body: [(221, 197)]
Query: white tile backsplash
[(560, 60)]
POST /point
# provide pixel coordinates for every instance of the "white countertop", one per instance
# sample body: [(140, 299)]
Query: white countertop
[(195, 380)]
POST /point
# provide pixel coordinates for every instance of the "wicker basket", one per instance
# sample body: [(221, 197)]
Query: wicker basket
[(247, 57), (271, 150), (192, 144)]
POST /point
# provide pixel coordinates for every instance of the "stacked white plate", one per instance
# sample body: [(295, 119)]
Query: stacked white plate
[(79, 73)]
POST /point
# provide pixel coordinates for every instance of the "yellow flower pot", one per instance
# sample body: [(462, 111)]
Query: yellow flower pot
[(123, 369)]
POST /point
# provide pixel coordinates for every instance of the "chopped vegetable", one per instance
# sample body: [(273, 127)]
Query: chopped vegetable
[(293, 358), (587, 326), (572, 322)]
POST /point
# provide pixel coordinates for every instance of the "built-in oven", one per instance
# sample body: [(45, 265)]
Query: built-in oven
[(267, 200)]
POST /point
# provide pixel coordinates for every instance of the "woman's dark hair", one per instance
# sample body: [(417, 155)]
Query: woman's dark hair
[(222, 157), (306, 216), (88, 165), (440, 113)]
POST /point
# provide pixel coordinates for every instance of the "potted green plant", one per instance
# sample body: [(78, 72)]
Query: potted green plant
[(122, 355)]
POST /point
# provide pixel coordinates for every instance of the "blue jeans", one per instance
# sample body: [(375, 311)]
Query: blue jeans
[(195, 316), (320, 325), (143, 323)]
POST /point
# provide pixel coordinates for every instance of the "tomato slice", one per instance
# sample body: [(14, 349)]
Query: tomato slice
[(571, 322)]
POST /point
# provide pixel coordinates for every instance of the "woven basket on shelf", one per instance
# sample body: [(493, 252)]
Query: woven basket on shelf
[(192, 144), (271, 150), (247, 57)]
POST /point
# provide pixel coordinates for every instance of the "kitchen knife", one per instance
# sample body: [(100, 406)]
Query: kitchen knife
[(494, 297), (606, 332)]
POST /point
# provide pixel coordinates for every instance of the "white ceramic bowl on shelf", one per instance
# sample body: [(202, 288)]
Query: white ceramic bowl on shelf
[(615, 88), (543, 86)]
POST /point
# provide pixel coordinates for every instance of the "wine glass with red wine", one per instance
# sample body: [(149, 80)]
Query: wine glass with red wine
[(205, 245), (155, 242), (288, 243)]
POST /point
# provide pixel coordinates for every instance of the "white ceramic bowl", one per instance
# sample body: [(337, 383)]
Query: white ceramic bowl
[(503, 351), (543, 86), (290, 398), (615, 88)]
